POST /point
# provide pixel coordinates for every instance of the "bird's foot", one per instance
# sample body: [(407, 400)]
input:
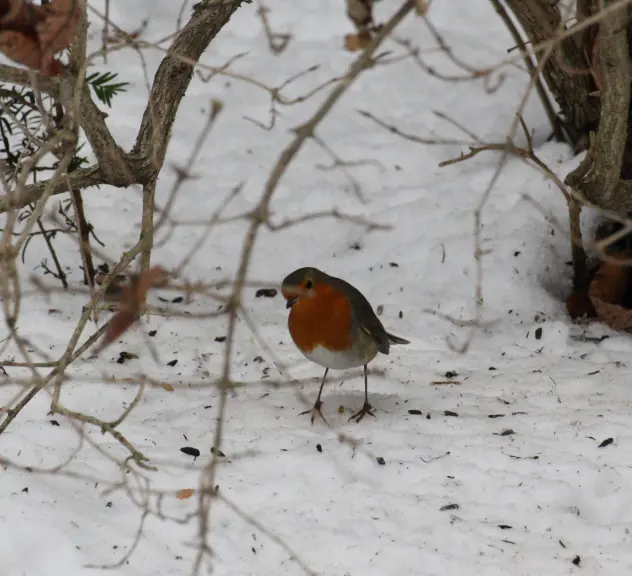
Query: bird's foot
[(315, 410), (366, 409)]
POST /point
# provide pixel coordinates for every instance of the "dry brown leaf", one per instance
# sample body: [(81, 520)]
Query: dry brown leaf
[(185, 493), (355, 42), (31, 34), (167, 387), (10, 10), (579, 305), (118, 325), (421, 7), (360, 12), (608, 291), (132, 298), (57, 29)]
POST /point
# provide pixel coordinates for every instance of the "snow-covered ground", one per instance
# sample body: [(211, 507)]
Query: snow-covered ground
[(502, 471)]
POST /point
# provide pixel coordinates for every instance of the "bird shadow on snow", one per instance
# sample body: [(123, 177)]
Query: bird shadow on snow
[(383, 404)]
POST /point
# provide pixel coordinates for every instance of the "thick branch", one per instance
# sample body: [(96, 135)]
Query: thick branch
[(82, 178), (172, 80), (598, 176), (113, 162), (540, 19)]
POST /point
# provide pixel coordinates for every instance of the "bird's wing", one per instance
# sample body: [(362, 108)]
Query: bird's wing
[(363, 314)]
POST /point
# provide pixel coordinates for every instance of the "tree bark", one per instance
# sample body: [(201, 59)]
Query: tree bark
[(566, 73), (598, 177)]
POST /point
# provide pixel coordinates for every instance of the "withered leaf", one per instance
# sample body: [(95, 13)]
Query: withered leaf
[(185, 493), (132, 298), (31, 34)]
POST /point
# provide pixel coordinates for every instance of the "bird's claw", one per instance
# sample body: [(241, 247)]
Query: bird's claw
[(366, 409), (315, 410)]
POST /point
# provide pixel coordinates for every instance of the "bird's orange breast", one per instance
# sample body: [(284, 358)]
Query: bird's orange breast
[(324, 320)]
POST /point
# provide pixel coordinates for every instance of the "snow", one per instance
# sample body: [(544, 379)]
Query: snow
[(529, 501)]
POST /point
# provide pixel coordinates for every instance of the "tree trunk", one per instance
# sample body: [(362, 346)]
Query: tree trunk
[(566, 72)]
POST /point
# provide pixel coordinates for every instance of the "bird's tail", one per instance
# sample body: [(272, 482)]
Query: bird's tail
[(392, 339)]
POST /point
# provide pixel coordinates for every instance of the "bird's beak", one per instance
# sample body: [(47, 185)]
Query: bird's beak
[(291, 302)]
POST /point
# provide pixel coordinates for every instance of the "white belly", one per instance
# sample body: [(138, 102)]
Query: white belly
[(335, 360)]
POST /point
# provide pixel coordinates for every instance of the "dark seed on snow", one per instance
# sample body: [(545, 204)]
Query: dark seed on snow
[(449, 507), (393, 264), (380, 461), (319, 447), (25, 490), (416, 412), (220, 338), (538, 333), (177, 300), (505, 527), (606, 442), (54, 422), (125, 356), (562, 544), (450, 413), (577, 560), (451, 374), (266, 293), (401, 314), (189, 451), (495, 415), (108, 505), (172, 362), (152, 333), (508, 432), (217, 452)]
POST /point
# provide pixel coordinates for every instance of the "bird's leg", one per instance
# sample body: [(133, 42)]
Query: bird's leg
[(318, 403), (367, 408)]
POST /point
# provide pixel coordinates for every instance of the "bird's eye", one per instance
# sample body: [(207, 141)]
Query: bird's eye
[(309, 285)]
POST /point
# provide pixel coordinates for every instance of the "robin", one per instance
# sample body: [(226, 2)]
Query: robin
[(334, 325)]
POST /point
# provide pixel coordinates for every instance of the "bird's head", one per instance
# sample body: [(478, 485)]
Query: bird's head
[(302, 283)]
